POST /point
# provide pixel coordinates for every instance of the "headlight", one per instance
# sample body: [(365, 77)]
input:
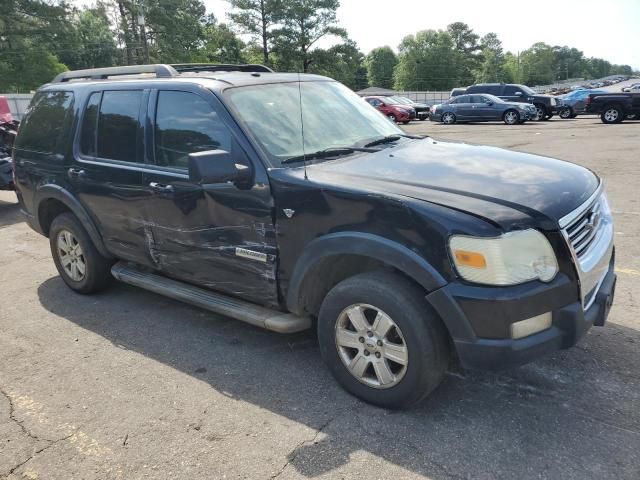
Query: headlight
[(510, 259)]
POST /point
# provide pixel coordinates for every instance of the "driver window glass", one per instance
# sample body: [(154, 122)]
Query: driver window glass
[(186, 123), (509, 90)]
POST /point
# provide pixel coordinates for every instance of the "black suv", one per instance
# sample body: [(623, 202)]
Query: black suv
[(285, 200), (546, 105)]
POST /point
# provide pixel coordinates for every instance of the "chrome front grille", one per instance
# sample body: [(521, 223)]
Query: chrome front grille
[(588, 231), (584, 230)]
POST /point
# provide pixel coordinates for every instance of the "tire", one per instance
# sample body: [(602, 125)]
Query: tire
[(541, 112), (612, 114), (565, 113), (392, 118), (405, 122), (416, 328), (66, 230), (573, 115), (511, 117), (448, 118), (549, 117)]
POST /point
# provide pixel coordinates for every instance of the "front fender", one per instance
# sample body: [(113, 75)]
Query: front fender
[(366, 245), (51, 191)]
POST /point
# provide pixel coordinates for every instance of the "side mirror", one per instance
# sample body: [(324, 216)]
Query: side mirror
[(216, 166)]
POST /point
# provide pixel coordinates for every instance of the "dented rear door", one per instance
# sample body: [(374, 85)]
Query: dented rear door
[(218, 236)]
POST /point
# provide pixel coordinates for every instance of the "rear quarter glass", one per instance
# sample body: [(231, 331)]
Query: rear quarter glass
[(46, 122)]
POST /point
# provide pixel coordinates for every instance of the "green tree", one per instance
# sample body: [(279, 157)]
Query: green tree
[(343, 62), (220, 44), (492, 68), (173, 29), (302, 24), (427, 61), (29, 30), (537, 64), (258, 19), (380, 64), (467, 48), (90, 42)]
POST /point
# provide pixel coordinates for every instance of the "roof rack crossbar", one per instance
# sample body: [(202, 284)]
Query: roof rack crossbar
[(160, 70), (219, 67)]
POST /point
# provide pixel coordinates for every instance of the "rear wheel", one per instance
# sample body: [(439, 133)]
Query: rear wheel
[(78, 261), (392, 118), (448, 118), (612, 114), (511, 117), (381, 339)]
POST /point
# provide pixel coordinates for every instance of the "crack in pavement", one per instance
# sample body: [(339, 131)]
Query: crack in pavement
[(293, 455), (20, 423), (37, 452)]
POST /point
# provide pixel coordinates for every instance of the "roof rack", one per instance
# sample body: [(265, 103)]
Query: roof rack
[(219, 67), (103, 73), (160, 70)]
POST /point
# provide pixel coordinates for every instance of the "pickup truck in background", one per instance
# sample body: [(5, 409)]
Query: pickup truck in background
[(614, 107)]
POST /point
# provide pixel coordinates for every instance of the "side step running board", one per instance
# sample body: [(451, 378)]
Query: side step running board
[(247, 312)]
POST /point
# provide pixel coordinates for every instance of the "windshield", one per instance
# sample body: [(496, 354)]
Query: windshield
[(401, 100), (493, 98), (333, 115)]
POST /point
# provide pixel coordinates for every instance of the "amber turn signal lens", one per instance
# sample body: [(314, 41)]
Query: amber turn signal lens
[(470, 259)]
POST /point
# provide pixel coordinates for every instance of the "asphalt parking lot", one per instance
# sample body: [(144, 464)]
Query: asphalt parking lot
[(128, 384)]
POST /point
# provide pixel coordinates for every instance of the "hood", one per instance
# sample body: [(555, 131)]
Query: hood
[(503, 187)]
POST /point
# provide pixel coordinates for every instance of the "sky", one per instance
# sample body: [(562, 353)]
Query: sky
[(608, 29)]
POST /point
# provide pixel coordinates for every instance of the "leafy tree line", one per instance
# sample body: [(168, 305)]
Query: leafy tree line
[(40, 38)]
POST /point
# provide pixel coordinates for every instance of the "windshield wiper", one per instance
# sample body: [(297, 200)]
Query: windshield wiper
[(393, 138), (328, 152)]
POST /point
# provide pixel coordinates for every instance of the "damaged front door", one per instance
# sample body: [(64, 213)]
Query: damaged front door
[(219, 236)]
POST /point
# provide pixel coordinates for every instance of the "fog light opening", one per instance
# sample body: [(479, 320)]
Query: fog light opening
[(532, 325)]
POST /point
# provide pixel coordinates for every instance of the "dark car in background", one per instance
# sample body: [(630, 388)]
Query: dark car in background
[(574, 103), (422, 109), (482, 108), (457, 91), (546, 105), (394, 111), (614, 107)]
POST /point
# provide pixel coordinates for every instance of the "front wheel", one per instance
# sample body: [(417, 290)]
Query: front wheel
[(78, 261), (511, 117), (381, 339), (541, 113), (565, 113), (392, 118), (612, 114), (448, 118)]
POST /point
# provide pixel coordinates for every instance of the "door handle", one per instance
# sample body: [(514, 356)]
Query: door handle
[(160, 188), (76, 173)]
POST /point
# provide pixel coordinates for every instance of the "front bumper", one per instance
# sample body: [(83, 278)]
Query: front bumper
[(472, 320)]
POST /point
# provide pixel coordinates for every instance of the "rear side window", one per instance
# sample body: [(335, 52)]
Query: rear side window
[(89, 123), (45, 123), (186, 123), (118, 125)]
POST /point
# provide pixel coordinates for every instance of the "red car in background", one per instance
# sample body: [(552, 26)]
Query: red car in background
[(396, 112)]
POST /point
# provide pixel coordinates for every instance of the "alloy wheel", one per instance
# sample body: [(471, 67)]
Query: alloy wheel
[(71, 255), (611, 115), (448, 118), (511, 118), (371, 346), (540, 113)]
